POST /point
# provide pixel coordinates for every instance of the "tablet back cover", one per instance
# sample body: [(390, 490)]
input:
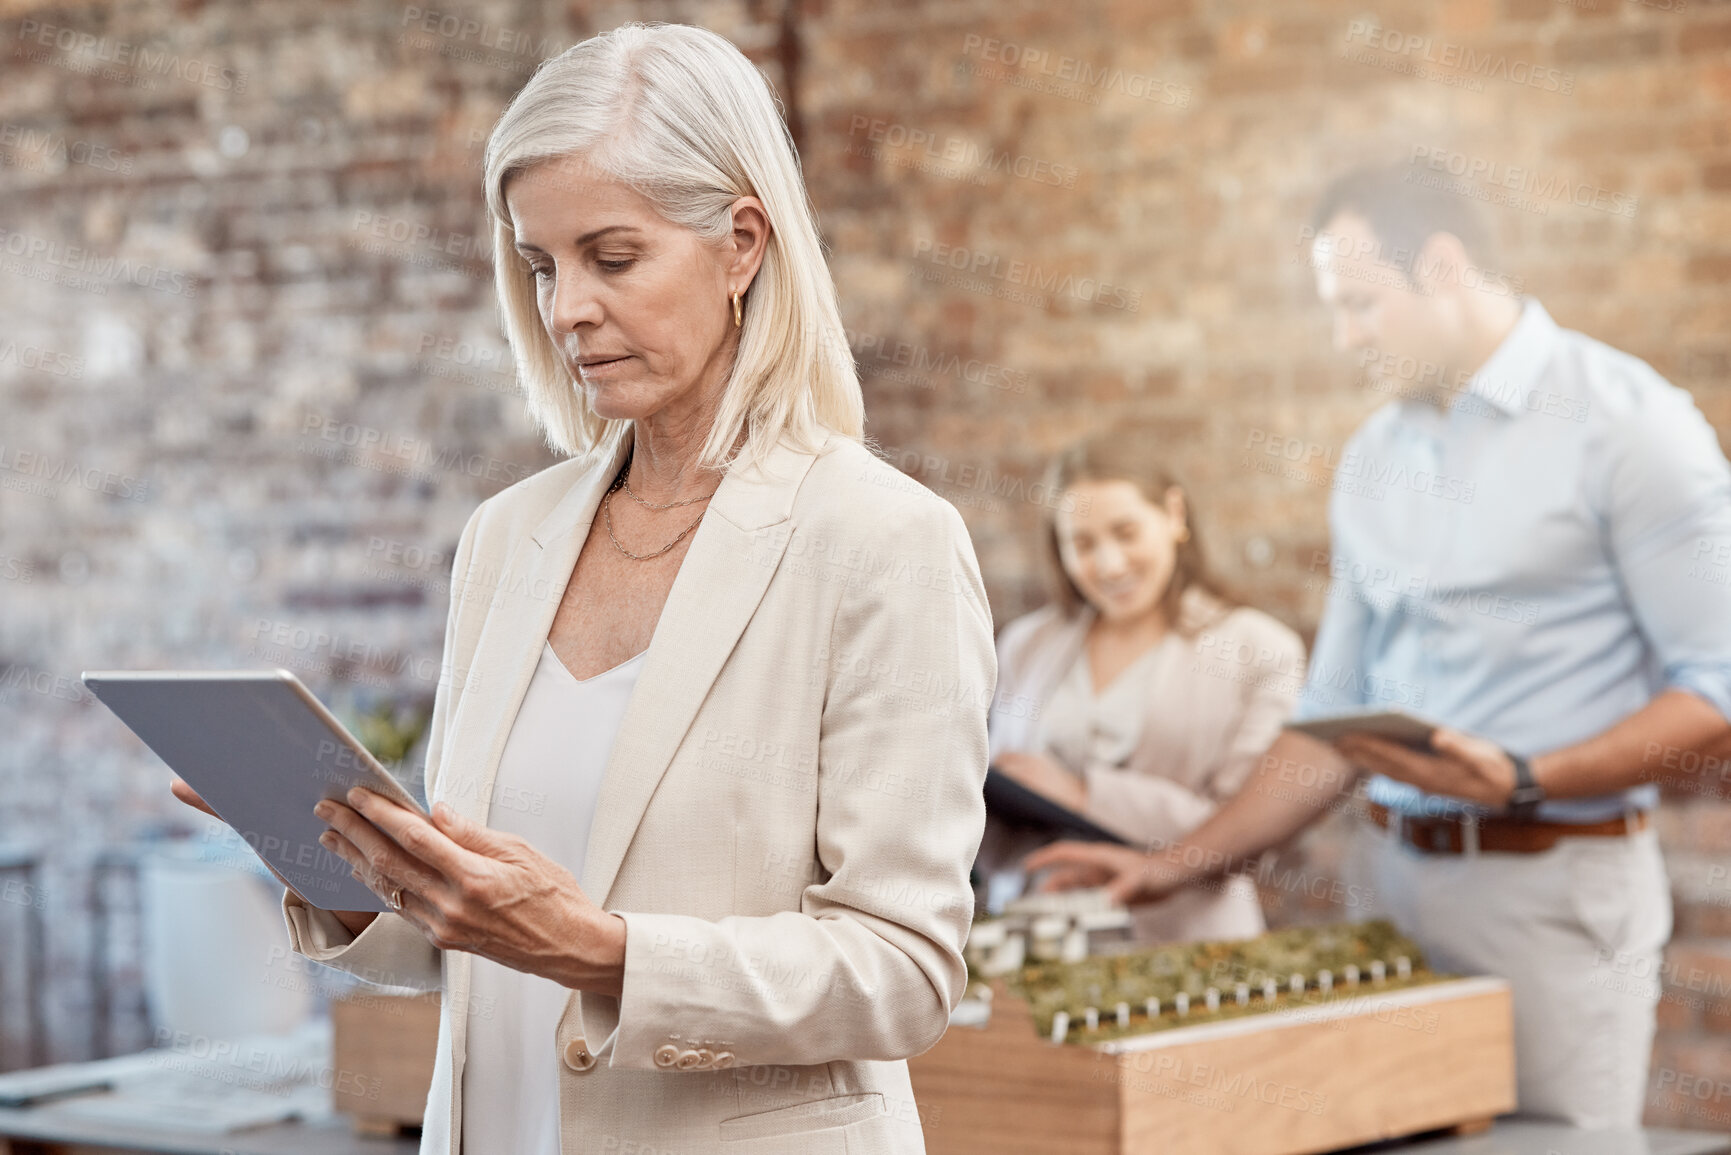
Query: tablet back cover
[(262, 755), (1019, 806)]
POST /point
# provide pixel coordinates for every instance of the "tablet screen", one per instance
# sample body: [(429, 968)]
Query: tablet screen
[(1394, 725)]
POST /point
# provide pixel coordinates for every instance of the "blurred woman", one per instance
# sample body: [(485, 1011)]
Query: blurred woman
[(1142, 695)]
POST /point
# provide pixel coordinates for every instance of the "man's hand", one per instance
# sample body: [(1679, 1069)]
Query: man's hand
[(1458, 765), (1044, 776), (1128, 875)]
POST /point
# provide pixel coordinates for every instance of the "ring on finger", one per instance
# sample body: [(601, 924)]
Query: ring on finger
[(395, 898)]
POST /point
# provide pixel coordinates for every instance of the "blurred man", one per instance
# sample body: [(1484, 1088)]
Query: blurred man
[(1520, 551)]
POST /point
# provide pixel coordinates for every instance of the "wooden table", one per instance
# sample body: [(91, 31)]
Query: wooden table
[(1511, 1136), (38, 1131)]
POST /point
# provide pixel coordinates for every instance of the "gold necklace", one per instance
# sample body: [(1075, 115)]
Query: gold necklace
[(607, 517), (658, 508)]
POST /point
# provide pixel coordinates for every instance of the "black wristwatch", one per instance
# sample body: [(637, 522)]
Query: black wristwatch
[(1525, 798)]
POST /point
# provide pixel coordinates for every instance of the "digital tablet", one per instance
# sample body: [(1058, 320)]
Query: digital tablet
[(262, 751), (1394, 725), (1020, 806)]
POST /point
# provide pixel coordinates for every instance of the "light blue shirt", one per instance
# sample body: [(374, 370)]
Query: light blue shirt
[(1534, 564)]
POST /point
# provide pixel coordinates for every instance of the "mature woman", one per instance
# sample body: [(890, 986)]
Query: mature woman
[(693, 882), (1141, 696)]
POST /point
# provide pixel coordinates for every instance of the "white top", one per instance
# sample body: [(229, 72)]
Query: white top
[(549, 779), (1088, 727)]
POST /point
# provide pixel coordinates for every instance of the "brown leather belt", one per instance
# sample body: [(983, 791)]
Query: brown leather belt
[(1444, 835)]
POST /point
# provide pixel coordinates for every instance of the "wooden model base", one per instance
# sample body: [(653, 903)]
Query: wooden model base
[(1292, 1082)]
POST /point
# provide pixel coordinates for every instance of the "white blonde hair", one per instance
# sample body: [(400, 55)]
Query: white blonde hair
[(680, 115)]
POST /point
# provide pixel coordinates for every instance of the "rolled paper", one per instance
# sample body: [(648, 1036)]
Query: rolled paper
[(1092, 1018), (1123, 1014), (1060, 1026), (1181, 1004)]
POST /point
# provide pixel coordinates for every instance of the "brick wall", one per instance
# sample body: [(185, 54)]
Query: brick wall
[(244, 424)]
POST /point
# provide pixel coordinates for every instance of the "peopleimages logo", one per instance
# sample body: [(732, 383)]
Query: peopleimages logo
[(1495, 175), (42, 360), (54, 471), (44, 146), (100, 271), (929, 469), (148, 59), (1464, 62), (872, 351), (1341, 254), (968, 156), (974, 263), (1038, 67)]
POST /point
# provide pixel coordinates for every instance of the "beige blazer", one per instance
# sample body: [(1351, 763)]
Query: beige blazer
[(786, 822), (1218, 695)]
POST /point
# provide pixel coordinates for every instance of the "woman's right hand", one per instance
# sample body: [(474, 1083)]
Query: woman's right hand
[(354, 920)]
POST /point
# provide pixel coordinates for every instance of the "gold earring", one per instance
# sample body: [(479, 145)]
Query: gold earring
[(737, 321)]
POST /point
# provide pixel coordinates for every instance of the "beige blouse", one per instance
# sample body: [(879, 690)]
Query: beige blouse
[(1175, 734), (1089, 727)]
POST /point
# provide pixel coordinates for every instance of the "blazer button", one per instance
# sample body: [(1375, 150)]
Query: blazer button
[(723, 1059), (688, 1060), (666, 1055), (577, 1055), (705, 1058)]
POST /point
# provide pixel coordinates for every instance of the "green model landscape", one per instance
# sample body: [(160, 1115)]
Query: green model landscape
[(1103, 982)]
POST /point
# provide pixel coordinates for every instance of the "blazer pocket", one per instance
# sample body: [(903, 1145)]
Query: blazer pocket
[(816, 1115)]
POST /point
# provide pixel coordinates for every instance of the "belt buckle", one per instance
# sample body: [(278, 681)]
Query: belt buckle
[(1440, 842)]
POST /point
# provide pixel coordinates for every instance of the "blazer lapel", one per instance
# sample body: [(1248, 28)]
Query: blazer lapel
[(519, 616), (520, 610), (722, 579)]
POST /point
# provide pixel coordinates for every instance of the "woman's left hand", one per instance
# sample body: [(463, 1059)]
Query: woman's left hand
[(1045, 776), (473, 889)]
